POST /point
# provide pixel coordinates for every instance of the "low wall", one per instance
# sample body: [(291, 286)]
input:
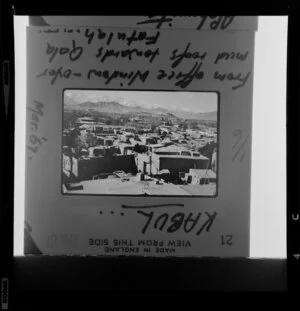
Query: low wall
[(182, 164), (88, 168)]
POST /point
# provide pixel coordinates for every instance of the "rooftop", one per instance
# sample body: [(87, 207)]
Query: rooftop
[(208, 190), (115, 186), (171, 148), (182, 157), (87, 118), (204, 173)]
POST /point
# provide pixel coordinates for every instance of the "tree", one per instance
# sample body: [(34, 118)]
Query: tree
[(208, 150), (139, 149), (194, 125)]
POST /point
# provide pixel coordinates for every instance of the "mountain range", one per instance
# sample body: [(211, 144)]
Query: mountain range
[(116, 107)]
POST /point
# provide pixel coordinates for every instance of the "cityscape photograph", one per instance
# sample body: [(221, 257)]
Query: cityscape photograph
[(140, 143)]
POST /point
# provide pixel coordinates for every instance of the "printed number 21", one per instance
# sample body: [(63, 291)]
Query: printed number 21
[(226, 239)]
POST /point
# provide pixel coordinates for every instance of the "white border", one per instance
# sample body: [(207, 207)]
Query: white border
[(268, 192)]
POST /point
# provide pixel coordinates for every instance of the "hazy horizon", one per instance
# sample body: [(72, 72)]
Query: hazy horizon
[(198, 102)]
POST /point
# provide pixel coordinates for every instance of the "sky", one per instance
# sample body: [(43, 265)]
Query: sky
[(188, 101)]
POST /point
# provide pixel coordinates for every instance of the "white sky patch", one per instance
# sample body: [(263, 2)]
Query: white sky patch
[(186, 109), (194, 101)]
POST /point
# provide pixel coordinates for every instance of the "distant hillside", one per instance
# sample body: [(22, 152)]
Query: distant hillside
[(109, 107), (115, 107), (68, 101), (211, 116)]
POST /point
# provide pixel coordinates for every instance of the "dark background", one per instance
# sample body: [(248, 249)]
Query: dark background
[(42, 281)]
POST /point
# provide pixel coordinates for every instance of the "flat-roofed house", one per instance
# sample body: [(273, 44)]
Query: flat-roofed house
[(86, 120), (201, 176), (176, 159), (85, 168)]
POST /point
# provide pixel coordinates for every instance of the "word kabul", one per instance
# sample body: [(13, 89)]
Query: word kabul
[(177, 221)]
